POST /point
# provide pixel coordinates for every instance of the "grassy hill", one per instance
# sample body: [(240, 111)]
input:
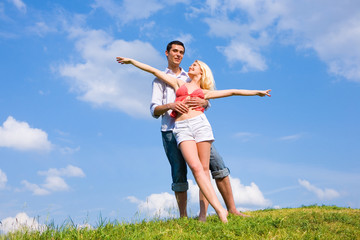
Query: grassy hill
[(313, 222)]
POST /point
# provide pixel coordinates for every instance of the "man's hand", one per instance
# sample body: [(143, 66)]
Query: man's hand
[(180, 107), (196, 102)]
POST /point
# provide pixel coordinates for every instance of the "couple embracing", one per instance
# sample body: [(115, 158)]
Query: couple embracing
[(180, 98)]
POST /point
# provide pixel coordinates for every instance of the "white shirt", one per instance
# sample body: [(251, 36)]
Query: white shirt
[(162, 94)]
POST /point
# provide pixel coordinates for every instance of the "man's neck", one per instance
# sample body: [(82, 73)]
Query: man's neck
[(175, 69)]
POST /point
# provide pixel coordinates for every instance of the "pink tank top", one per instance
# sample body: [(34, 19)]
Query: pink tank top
[(182, 93)]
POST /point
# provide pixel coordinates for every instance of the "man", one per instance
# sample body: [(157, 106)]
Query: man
[(162, 103)]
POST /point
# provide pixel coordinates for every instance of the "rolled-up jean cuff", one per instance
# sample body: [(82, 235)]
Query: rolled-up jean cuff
[(221, 173), (180, 187)]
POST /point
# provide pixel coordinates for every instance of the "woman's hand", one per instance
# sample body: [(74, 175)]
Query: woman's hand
[(123, 60), (147, 68), (264, 93)]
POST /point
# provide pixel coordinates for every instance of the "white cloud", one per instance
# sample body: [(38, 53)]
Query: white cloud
[(161, 205), (133, 199), (69, 171), (248, 195), (243, 46), (3, 179), (41, 29), (84, 226), (20, 5), (293, 137), (2, 13), (36, 189), (185, 38), (97, 77), (245, 24), (245, 136), (147, 26), (69, 150), (243, 195), (20, 222), (20, 136), (333, 32), (54, 181), (250, 57), (55, 184), (129, 10), (320, 193), (223, 27)]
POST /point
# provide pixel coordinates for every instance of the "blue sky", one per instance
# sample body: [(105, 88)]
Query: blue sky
[(76, 136)]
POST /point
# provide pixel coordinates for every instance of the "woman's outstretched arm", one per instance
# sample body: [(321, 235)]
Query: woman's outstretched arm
[(212, 94), (173, 82)]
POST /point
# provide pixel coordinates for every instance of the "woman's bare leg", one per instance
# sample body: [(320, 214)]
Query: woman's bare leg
[(204, 155), (190, 154)]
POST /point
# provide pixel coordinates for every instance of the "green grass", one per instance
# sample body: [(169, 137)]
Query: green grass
[(313, 222)]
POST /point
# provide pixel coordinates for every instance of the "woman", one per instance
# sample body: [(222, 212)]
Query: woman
[(192, 130)]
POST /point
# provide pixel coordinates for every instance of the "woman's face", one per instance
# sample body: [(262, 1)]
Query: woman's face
[(195, 69)]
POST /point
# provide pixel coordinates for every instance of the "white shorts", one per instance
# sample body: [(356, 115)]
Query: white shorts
[(197, 129)]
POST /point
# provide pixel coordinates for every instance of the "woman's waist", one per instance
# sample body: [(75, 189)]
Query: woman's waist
[(190, 114)]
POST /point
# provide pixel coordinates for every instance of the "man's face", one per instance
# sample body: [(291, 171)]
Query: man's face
[(175, 55)]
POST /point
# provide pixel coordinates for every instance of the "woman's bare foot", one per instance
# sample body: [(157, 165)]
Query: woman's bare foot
[(223, 213)]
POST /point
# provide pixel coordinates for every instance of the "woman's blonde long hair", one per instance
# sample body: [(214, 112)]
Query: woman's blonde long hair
[(207, 79)]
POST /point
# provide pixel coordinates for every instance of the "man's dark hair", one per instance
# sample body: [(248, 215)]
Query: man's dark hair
[(176, 42)]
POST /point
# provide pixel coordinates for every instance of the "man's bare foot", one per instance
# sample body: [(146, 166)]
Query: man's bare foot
[(237, 213), (243, 215), (202, 218)]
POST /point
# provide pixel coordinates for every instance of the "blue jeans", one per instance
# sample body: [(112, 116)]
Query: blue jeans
[(179, 167)]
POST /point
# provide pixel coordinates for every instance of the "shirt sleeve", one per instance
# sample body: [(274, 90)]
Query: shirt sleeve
[(208, 106), (157, 96)]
